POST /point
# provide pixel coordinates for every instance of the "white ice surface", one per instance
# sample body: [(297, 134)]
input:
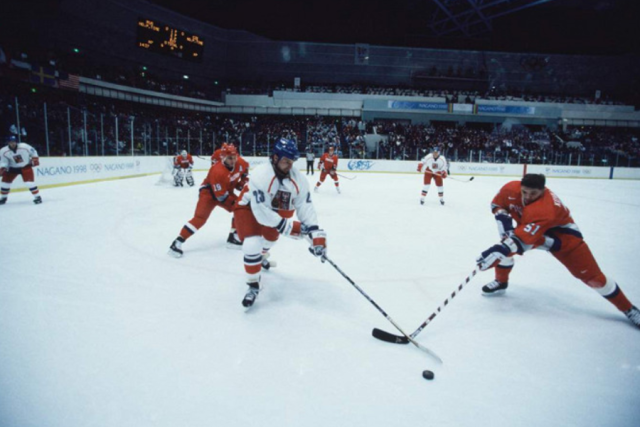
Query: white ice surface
[(100, 327)]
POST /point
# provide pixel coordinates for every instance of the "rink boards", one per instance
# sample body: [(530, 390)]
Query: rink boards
[(60, 171)]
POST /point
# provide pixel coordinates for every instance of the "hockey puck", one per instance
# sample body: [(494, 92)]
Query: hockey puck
[(428, 375)]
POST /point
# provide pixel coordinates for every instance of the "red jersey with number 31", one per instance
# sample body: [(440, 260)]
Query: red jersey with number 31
[(535, 218)]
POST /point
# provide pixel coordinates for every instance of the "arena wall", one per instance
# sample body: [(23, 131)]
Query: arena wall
[(61, 171)]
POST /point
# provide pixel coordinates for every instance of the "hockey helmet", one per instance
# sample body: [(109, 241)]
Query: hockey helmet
[(183, 153), (228, 150), (11, 138), (286, 148)]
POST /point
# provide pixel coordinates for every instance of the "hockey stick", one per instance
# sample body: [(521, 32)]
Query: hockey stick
[(461, 180), (396, 339), (405, 336), (346, 177)]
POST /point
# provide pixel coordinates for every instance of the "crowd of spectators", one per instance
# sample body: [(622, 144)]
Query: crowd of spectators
[(509, 144), (80, 124)]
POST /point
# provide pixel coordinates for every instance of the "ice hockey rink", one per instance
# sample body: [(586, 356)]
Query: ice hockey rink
[(100, 327)]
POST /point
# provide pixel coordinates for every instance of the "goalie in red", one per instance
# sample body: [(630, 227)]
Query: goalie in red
[(435, 167), (328, 165), (183, 164), (217, 189), (543, 222)]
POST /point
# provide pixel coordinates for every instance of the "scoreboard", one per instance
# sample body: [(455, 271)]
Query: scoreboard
[(165, 39)]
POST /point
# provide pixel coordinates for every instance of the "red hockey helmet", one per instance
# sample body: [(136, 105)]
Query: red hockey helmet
[(228, 150)]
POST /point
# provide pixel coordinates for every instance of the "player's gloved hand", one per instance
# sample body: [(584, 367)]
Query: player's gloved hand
[(419, 167), (35, 161), (444, 174), (2, 171), (505, 224), (492, 256), (229, 202), (496, 253), (289, 227), (318, 239)]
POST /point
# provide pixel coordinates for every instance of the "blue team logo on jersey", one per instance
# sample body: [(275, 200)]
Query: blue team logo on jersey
[(360, 165)]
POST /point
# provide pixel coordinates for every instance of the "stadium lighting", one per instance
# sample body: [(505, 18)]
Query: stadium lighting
[(76, 50), (185, 77)]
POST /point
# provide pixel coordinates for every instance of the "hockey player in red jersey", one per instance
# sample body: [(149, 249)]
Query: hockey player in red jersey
[(18, 158), (543, 222), (435, 167), (265, 210), (328, 164), (183, 165), (233, 241), (217, 189)]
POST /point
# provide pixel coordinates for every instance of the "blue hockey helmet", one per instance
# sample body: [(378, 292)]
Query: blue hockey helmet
[(286, 148), (11, 138)]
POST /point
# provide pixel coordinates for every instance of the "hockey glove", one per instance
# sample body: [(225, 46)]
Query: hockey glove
[(228, 202), (505, 224), (318, 239), (496, 253), (419, 167), (35, 161), (290, 228), (2, 171)]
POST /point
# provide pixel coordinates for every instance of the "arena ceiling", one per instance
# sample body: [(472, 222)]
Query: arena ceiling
[(555, 26)]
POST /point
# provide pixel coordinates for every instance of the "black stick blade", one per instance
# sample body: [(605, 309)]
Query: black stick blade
[(386, 336), (471, 179)]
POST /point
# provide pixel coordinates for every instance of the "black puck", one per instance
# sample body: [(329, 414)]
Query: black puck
[(428, 375)]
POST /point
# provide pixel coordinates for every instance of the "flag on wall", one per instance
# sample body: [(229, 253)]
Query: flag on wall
[(69, 81), (42, 75)]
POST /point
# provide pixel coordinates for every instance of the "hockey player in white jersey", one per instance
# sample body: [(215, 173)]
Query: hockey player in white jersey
[(265, 210), (18, 158), (435, 166)]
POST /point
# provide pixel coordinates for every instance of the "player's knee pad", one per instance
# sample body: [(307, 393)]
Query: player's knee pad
[(271, 234), (602, 284), (198, 222), (507, 262), (252, 245)]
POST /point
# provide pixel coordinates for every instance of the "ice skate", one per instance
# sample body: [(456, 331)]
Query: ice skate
[(442, 202), (175, 250), (634, 315), (3, 201), (422, 201), (233, 242), (37, 200), (266, 264), (251, 295), (494, 288)]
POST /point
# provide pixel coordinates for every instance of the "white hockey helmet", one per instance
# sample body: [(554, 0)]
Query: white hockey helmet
[(183, 153)]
